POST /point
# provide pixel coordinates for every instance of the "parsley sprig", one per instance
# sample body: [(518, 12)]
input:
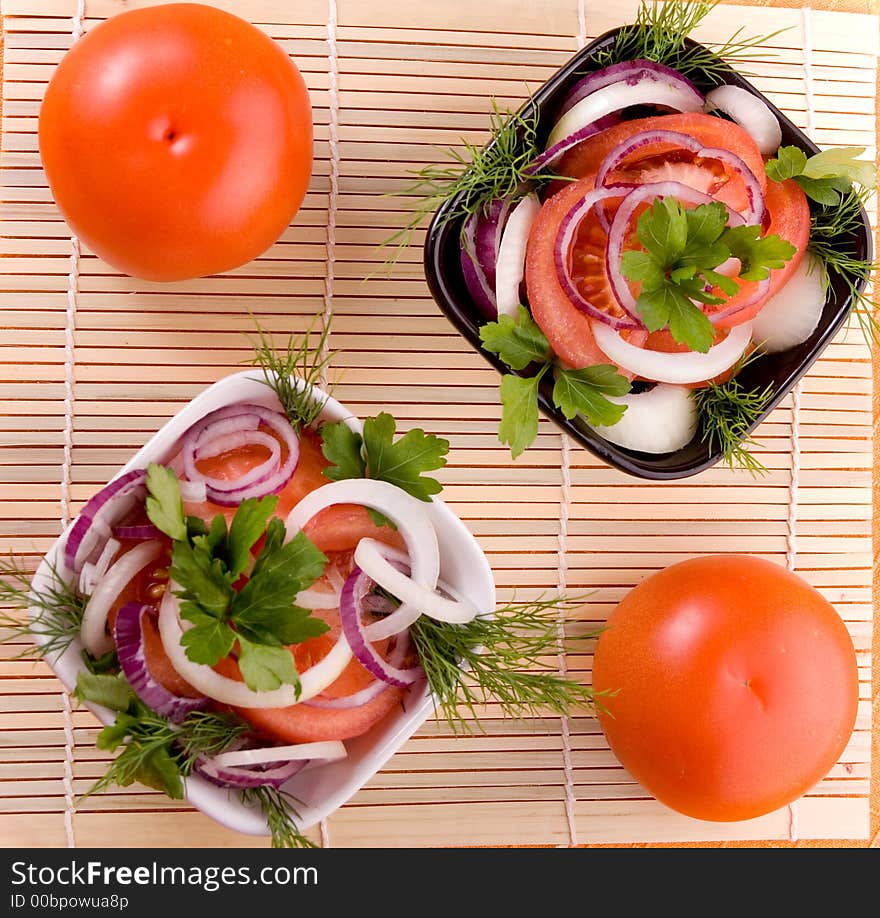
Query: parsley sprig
[(520, 343), (376, 454), (826, 177), (681, 249), (260, 618)]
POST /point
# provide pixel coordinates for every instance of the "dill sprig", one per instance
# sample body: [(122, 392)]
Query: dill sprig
[(159, 753), (281, 816), (727, 411), (53, 614), (659, 34), (301, 358), (479, 174), (499, 659), (832, 228)]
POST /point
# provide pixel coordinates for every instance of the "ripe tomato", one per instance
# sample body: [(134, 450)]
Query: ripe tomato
[(736, 686), (177, 141), (658, 163)]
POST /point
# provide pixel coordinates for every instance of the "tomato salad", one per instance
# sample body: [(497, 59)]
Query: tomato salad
[(659, 239)]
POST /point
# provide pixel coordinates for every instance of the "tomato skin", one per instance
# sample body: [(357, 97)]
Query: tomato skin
[(736, 686), (177, 141)]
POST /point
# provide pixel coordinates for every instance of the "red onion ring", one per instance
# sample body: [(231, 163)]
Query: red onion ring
[(350, 609), (210, 435), (138, 533), (567, 230), (480, 241), (242, 777), (128, 634), (111, 504), (755, 211)]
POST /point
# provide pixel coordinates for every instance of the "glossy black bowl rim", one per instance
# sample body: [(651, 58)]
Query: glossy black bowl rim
[(624, 460)]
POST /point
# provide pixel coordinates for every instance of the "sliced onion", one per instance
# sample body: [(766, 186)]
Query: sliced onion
[(93, 629), (243, 778), (195, 491), (750, 113), (512, 255), (137, 533), (102, 511), (792, 314), (648, 88), (661, 420), (351, 600), (129, 635), (317, 599), (92, 574), (327, 750), (369, 556), (217, 432), (682, 368), (374, 689), (230, 691), (565, 236), (405, 511), (620, 225), (480, 241)]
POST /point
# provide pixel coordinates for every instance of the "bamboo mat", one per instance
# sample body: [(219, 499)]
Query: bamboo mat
[(92, 363)]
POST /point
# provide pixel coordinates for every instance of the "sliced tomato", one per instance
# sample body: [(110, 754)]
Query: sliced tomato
[(566, 327), (659, 162)]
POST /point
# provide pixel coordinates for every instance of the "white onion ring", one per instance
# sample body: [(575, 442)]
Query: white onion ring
[(683, 368), (405, 511), (93, 632), (750, 113), (510, 263), (328, 750), (318, 599), (230, 691), (369, 557)]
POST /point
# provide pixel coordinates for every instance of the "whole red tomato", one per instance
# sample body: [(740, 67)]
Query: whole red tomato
[(177, 141), (736, 686)]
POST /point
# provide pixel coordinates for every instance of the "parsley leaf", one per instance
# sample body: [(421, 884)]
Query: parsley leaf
[(342, 447), (266, 668), (519, 411), (377, 455), (164, 503), (517, 342), (758, 254), (583, 392), (112, 691), (204, 579), (209, 640), (248, 524), (825, 177)]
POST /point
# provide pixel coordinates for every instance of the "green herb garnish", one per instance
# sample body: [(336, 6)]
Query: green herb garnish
[(682, 248), (261, 617), (826, 177), (155, 751), (727, 412), (500, 659), (376, 454), (831, 232), (281, 815), (52, 615), (519, 343), (659, 34), (301, 360)]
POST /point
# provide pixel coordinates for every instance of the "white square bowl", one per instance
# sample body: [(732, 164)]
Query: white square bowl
[(320, 790)]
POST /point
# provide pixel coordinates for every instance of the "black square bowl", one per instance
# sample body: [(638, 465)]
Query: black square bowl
[(781, 370)]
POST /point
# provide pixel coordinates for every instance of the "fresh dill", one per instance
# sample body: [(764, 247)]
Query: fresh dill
[(52, 614), (728, 411), (301, 359), (281, 816), (477, 176), (660, 34), (499, 659), (832, 229)]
